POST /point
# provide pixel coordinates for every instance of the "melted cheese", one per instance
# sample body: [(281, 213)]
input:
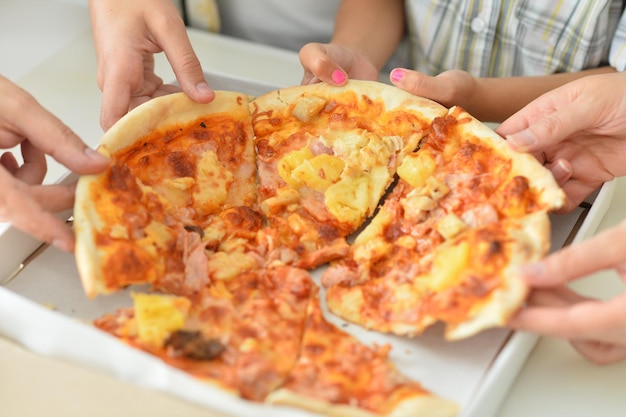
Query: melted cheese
[(448, 265), (212, 184)]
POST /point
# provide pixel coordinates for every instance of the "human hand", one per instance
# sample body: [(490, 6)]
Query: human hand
[(334, 64), (23, 202), (578, 131), (595, 328), (127, 34), (450, 88)]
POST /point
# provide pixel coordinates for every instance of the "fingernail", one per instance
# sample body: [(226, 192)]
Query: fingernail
[(63, 245), (522, 140), (203, 88), (338, 77), (533, 272), (95, 155), (560, 170), (397, 74)]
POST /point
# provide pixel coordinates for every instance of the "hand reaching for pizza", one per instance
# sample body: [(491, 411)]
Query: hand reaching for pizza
[(578, 131), (334, 64), (595, 328), (23, 201), (127, 34)]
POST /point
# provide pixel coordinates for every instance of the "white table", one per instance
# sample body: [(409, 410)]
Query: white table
[(46, 47)]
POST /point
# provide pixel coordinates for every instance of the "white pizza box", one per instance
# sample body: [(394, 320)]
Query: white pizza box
[(43, 307)]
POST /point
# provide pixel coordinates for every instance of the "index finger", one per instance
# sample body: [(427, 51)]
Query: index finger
[(48, 134), (318, 65)]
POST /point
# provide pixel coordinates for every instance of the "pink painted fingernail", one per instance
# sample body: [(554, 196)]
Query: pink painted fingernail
[(397, 74), (338, 77)]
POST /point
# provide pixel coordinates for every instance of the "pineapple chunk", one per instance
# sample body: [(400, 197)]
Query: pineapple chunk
[(224, 266), (290, 162), (450, 226), (417, 203), (448, 266), (308, 106), (417, 168), (319, 172), (374, 229), (379, 180), (372, 250), (349, 199), (157, 316)]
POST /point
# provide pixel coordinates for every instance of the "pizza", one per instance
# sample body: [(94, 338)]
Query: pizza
[(242, 335), (326, 156), (445, 246), (412, 213), (182, 184)]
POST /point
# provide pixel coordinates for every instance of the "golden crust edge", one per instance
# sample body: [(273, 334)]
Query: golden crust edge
[(86, 254), (392, 96), (534, 236), (166, 110)]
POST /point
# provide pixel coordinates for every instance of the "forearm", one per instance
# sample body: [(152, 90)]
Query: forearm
[(371, 27), (495, 99)]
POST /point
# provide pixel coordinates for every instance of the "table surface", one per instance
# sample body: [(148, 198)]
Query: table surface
[(46, 47)]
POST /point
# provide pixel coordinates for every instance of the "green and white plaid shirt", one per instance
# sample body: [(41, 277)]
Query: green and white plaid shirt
[(517, 37)]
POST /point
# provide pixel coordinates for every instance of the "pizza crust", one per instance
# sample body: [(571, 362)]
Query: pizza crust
[(169, 110), (393, 97), (426, 405), (531, 243)]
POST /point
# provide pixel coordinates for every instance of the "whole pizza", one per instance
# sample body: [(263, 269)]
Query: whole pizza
[(412, 213)]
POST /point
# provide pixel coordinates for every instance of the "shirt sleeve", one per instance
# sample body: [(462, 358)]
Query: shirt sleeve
[(617, 52)]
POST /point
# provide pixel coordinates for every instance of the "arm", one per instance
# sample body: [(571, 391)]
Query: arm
[(127, 34), (366, 35), (372, 28), (488, 99), (23, 202), (498, 98)]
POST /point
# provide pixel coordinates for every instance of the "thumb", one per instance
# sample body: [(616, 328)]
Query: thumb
[(186, 65)]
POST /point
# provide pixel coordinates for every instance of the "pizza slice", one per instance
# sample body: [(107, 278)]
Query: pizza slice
[(176, 165), (467, 210), (326, 155), (337, 375), (242, 335)]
